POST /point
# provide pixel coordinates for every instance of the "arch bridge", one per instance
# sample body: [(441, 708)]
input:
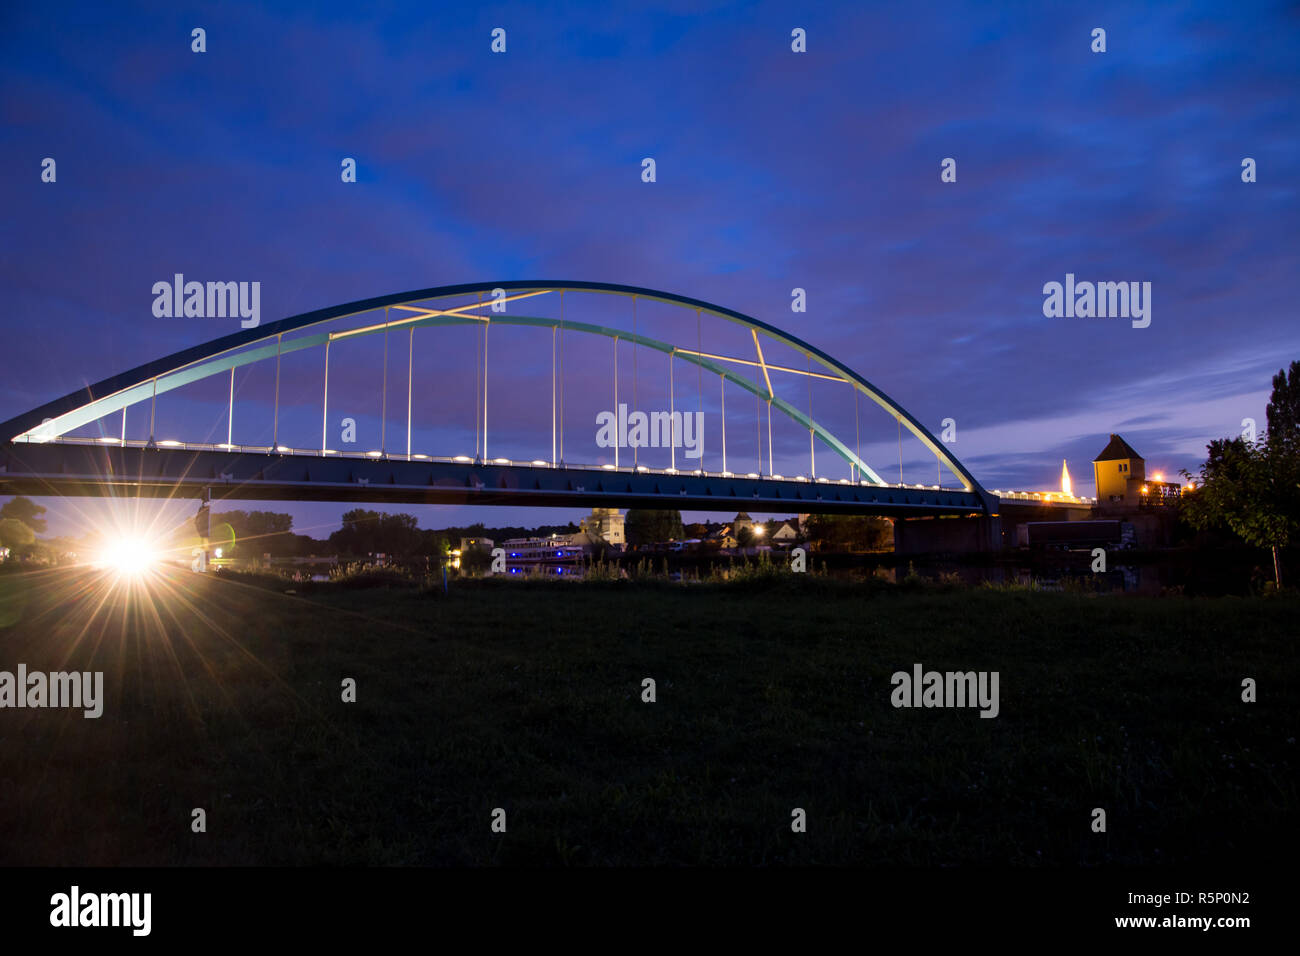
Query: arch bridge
[(75, 445)]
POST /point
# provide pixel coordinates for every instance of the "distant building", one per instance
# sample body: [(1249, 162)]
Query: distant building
[(722, 538), (785, 533), (742, 521), (1119, 472), (1122, 483), (606, 524)]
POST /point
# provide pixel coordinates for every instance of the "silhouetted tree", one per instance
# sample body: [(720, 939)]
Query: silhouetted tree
[(1254, 486), (647, 526), (253, 532), (374, 532), (849, 532)]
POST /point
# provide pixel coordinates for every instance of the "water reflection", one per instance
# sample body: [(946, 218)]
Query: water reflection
[(1144, 579)]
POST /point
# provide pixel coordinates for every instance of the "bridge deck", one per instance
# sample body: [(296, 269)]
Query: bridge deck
[(66, 467)]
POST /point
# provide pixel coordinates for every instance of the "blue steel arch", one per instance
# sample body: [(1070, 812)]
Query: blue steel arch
[(94, 401)]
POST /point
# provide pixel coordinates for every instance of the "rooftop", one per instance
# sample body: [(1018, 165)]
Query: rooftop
[(1117, 450)]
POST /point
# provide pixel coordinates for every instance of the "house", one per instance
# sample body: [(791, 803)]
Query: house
[(785, 534), (724, 537)]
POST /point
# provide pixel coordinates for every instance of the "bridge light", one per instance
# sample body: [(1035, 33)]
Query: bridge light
[(779, 477), (170, 443), (374, 454), (608, 467), (109, 440), (502, 461), (462, 458), (283, 448), (752, 474), (419, 457), (642, 468)]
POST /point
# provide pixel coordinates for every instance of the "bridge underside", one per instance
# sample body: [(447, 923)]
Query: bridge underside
[(104, 471)]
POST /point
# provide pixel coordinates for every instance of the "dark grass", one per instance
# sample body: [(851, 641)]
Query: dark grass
[(773, 693)]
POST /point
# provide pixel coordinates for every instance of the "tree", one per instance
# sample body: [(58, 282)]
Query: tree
[(14, 534), (374, 532), (25, 510), (1284, 407), (744, 536), (849, 532), (435, 543), (648, 526), (253, 532), (1254, 486)]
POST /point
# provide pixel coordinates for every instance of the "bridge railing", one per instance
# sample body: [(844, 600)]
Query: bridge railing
[(173, 445), (1043, 497)]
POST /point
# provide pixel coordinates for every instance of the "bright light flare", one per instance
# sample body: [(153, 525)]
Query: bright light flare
[(129, 556)]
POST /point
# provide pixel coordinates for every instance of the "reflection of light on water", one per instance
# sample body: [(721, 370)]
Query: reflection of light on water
[(539, 570)]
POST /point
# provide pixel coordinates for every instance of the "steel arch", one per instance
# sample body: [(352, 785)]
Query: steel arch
[(95, 401)]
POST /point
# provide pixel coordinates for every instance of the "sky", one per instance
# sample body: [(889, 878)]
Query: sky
[(775, 170)]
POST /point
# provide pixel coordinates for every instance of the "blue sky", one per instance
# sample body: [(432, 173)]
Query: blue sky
[(775, 170)]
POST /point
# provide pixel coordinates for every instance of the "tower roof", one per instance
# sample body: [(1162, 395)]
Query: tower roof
[(1118, 450)]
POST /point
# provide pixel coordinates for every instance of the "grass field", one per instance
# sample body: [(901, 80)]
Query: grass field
[(772, 694)]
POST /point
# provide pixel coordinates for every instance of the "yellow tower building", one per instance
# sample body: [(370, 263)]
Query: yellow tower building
[(1120, 473)]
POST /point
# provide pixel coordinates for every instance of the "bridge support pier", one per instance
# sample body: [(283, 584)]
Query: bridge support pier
[(948, 535)]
